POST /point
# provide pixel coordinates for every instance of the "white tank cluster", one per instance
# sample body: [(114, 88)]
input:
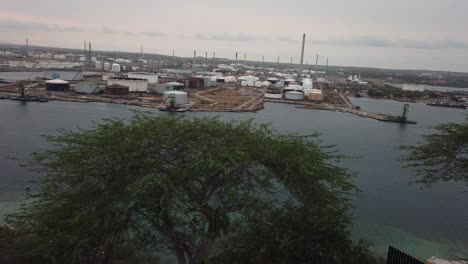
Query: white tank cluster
[(249, 80), (176, 98)]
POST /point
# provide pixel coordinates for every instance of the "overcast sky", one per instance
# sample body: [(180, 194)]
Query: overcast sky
[(408, 34)]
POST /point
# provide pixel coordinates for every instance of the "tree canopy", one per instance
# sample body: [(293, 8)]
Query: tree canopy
[(198, 188), (442, 156)]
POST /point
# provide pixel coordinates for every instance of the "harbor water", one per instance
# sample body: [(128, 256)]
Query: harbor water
[(422, 220)]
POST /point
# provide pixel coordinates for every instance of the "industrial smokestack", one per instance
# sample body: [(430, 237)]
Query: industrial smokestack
[(89, 57), (302, 56), (206, 57), (27, 48), (326, 69), (245, 59), (194, 58), (85, 52), (236, 57), (316, 64)]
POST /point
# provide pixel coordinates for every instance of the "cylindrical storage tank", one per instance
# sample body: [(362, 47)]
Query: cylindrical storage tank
[(98, 66), (266, 84), (86, 88), (244, 83), (115, 67), (307, 85), (250, 83), (107, 66), (177, 97), (258, 84), (293, 95), (57, 85)]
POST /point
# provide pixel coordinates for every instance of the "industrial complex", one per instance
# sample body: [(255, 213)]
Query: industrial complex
[(172, 83)]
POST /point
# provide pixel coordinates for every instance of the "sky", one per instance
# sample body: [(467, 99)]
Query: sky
[(397, 34)]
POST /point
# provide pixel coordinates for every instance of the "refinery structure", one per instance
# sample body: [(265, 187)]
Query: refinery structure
[(171, 83)]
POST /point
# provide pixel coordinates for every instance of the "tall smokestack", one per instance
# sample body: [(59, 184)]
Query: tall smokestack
[(206, 57), (27, 48), (236, 57), (85, 52), (316, 63), (89, 53), (326, 69), (194, 58), (245, 59), (302, 56)]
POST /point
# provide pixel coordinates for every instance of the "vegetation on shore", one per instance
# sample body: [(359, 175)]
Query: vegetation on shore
[(203, 190)]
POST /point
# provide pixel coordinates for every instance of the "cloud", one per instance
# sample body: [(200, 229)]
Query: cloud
[(287, 39), (18, 25), (366, 41), (226, 37), (107, 31), (126, 32), (435, 44), (154, 34)]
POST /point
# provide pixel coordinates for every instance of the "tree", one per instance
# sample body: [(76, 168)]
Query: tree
[(179, 185), (443, 156)]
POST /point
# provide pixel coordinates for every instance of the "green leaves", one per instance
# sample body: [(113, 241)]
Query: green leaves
[(443, 156), (175, 183)]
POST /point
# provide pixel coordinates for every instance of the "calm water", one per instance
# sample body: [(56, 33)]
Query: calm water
[(424, 221)]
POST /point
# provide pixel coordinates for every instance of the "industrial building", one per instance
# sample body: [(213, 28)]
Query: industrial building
[(57, 85), (133, 84), (151, 77), (63, 74), (116, 89)]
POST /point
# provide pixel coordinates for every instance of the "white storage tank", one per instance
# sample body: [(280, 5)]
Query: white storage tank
[(244, 83), (266, 84), (176, 98), (107, 66), (115, 67), (258, 84), (98, 66), (294, 95)]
